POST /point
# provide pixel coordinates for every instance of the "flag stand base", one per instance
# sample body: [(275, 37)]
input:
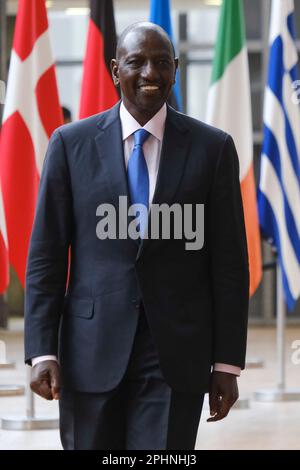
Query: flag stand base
[(241, 404), (277, 395), (7, 365), (11, 390), (23, 423), (254, 363)]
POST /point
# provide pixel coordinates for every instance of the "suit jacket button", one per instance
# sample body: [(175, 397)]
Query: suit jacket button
[(136, 303)]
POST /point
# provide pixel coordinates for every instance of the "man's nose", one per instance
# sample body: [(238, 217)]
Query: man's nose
[(149, 71)]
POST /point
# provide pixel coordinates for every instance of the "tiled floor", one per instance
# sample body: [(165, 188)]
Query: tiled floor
[(262, 426)]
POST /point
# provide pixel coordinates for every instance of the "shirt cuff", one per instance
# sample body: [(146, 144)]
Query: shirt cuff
[(219, 367), (38, 359)]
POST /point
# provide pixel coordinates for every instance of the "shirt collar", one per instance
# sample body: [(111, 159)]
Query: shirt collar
[(155, 126)]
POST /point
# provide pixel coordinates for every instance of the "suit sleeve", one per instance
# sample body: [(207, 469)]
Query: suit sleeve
[(47, 264), (228, 260)]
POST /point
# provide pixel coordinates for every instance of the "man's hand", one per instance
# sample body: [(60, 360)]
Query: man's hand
[(223, 393), (45, 380)]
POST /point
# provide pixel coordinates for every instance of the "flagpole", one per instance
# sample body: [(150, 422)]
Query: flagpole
[(281, 320), (3, 73), (257, 362), (4, 363), (3, 41), (254, 363), (280, 392), (8, 390)]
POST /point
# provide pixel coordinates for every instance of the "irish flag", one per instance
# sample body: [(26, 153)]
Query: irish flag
[(229, 108)]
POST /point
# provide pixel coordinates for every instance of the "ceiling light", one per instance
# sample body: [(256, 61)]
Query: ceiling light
[(213, 3), (77, 11)]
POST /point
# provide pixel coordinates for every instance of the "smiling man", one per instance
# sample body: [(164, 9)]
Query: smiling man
[(145, 69), (146, 326)]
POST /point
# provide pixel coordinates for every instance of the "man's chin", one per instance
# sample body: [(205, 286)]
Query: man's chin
[(151, 105)]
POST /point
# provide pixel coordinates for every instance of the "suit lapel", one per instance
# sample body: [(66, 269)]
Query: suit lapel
[(173, 157), (174, 152), (110, 148)]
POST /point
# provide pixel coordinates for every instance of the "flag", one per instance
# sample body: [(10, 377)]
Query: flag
[(4, 265), (98, 92), (160, 14), (229, 108), (279, 185), (31, 113)]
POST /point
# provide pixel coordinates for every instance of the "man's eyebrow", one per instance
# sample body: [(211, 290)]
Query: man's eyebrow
[(133, 54), (138, 54), (164, 55)]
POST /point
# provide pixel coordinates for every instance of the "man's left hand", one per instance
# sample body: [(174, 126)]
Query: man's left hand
[(223, 393)]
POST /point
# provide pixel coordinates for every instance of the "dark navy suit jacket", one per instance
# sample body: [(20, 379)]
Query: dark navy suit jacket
[(196, 302)]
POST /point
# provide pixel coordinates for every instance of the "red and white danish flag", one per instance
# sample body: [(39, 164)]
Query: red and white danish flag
[(31, 113), (4, 265)]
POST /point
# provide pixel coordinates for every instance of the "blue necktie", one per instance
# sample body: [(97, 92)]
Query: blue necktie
[(138, 177)]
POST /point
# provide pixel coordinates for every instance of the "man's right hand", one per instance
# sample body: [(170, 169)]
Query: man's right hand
[(45, 380)]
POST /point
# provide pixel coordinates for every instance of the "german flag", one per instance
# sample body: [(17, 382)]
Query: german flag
[(98, 92)]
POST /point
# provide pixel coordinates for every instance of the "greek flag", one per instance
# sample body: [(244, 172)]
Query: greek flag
[(279, 185)]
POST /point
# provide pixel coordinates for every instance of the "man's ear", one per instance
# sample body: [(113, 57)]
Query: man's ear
[(115, 72), (176, 67)]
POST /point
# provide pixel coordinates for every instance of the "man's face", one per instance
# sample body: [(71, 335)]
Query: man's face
[(145, 70)]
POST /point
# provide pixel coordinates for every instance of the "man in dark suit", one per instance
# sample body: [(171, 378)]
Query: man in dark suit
[(146, 326)]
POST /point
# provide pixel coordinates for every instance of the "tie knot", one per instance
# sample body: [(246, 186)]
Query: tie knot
[(140, 136)]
